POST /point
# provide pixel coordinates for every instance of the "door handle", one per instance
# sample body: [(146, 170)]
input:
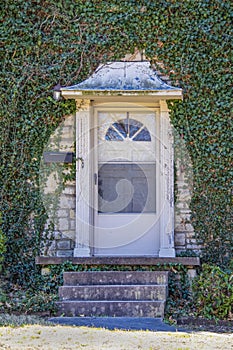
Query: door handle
[(95, 178)]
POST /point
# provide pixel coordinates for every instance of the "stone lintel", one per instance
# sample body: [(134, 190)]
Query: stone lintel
[(187, 261)]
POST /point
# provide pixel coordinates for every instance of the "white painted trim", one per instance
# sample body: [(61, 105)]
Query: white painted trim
[(160, 94), (167, 184), (82, 243)]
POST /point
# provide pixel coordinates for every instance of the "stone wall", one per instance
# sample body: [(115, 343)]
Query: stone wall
[(184, 231), (64, 234), (61, 200), (59, 193)]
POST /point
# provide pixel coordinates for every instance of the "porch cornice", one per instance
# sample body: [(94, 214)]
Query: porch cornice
[(123, 80)]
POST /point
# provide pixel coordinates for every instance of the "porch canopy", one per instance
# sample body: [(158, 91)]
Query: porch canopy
[(122, 81)]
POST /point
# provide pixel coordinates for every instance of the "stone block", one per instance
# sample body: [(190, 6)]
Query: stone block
[(113, 292), (184, 214), (72, 224), (64, 253), (192, 273), (72, 214), (66, 144), (138, 308), (63, 244), (180, 239), (180, 228), (183, 204), (63, 224), (69, 121), (189, 228), (68, 132), (70, 234), (62, 213), (69, 190), (52, 183), (115, 278), (191, 241), (180, 250), (193, 247), (67, 202), (190, 235), (184, 227), (71, 183)]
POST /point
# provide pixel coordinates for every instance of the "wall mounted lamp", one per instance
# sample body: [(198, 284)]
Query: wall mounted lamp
[(57, 92)]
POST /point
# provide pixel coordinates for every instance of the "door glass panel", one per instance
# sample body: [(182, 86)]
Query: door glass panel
[(127, 129), (126, 188), (122, 127), (113, 135), (143, 135)]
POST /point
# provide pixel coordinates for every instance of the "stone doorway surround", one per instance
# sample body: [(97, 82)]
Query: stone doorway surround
[(134, 83)]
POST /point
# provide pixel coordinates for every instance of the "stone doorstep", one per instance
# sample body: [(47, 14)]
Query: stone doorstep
[(144, 260), (115, 277), (111, 308), (113, 292)]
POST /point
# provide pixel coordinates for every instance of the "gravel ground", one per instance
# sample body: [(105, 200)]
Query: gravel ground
[(38, 337)]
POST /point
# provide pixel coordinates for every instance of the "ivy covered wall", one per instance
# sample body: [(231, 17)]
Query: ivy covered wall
[(46, 42)]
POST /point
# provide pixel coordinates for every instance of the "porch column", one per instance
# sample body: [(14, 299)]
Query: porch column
[(167, 184), (82, 242)]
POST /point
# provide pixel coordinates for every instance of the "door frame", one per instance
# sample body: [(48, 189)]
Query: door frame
[(86, 200)]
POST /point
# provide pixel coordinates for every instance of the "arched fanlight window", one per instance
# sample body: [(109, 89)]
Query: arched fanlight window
[(127, 129)]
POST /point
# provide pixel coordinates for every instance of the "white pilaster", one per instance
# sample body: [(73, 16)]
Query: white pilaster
[(82, 243), (167, 184)]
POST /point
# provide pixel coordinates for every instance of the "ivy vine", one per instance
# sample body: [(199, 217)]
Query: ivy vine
[(46, 42)]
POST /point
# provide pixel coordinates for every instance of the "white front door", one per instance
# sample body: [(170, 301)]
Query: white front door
[(126, 183)]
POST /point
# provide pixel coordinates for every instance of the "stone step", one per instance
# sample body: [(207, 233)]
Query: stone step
[(113, 292), (115, 277), (124, 308)]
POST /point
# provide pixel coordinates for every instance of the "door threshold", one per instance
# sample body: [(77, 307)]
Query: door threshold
[(117, 260)]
